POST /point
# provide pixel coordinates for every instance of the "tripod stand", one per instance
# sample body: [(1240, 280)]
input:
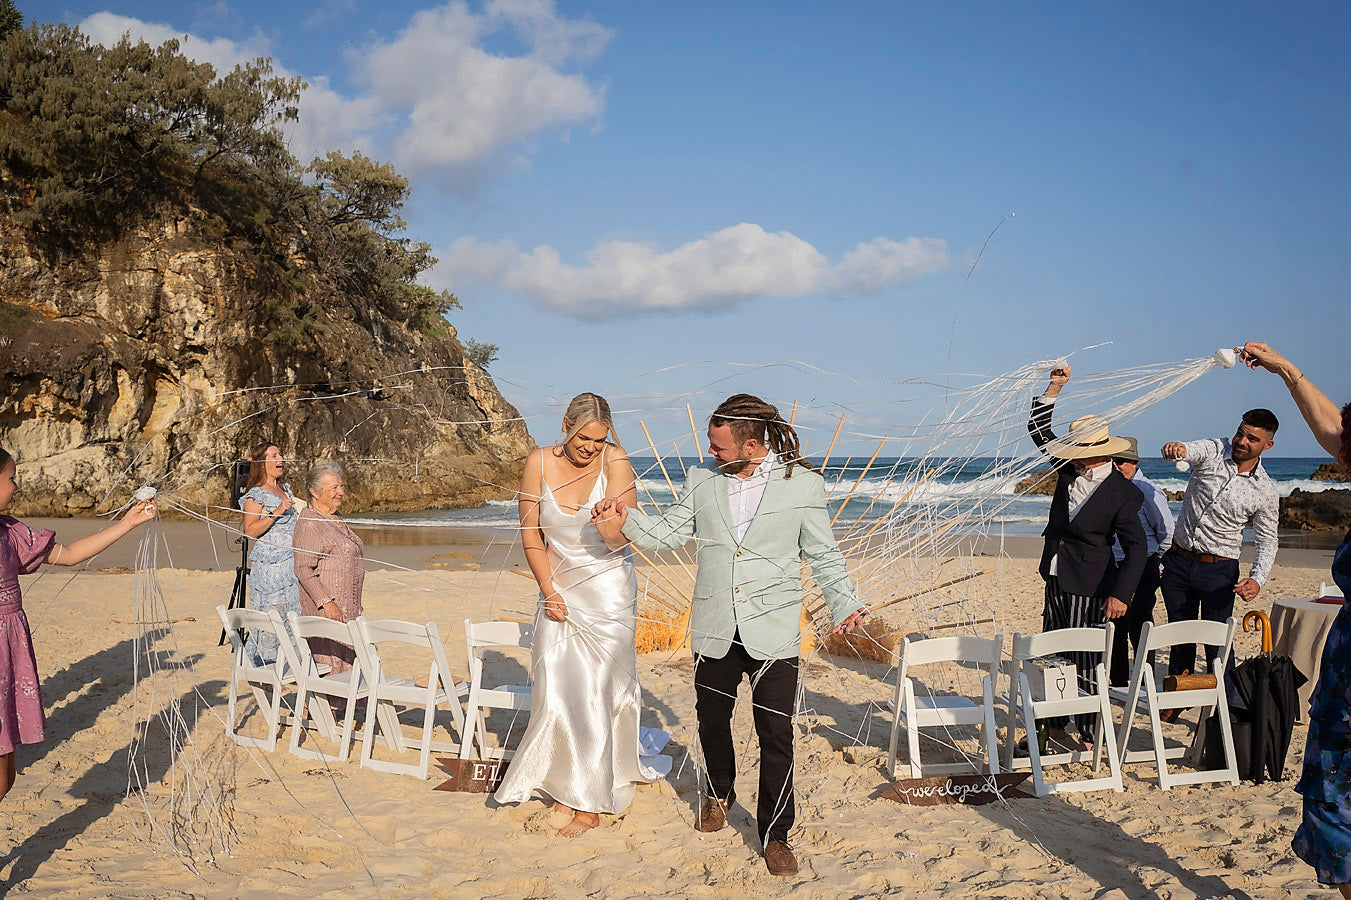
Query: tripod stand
[(239, 594)]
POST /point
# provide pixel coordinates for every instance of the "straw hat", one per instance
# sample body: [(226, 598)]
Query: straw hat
[(1089, 436)]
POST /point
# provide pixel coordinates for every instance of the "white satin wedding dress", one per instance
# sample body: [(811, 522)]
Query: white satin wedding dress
[(583, 746)]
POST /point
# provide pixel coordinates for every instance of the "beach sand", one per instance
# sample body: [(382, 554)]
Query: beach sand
[(305, 828)]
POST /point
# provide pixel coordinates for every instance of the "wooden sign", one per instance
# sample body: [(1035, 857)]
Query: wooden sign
[(471, 776), (949, 790)]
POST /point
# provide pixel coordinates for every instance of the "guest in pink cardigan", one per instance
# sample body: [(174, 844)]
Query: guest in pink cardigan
[(22, 551), (328, 560)]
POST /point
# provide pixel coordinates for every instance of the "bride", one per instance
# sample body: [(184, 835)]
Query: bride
[(583, 748)]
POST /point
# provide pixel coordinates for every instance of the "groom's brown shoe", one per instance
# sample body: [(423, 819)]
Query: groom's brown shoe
[(713, 813), (779, 859)]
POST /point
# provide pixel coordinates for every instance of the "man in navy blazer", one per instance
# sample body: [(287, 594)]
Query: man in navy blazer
[(1094, 505)]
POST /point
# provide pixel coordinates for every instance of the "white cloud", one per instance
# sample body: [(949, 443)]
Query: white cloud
[(464, 105), (433, 99), (743, 262)]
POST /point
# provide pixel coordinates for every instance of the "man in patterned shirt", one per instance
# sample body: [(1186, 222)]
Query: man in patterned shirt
[(1228, 489)]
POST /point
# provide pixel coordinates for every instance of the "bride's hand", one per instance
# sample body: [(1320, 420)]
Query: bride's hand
[(555, 608)]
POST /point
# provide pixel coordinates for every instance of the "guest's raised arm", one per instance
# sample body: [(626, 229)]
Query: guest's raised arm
[(1321, 414)]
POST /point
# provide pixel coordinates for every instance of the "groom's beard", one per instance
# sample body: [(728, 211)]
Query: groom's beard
[(736, 466)]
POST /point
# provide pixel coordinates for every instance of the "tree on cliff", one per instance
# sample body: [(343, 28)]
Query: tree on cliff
[(94, 139), (10, 18)]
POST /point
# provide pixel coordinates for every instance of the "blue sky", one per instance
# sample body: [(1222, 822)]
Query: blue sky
[(615, 188)]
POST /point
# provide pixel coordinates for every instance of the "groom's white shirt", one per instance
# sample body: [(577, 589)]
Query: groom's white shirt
[(744, 494)]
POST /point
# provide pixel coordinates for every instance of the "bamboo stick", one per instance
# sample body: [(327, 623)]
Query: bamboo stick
[(680, 459), (960, 624), (698, 444), (662, 465), (840, 475), (861, 476), (652, 564), (831, 449), (894, 507), (657, 510), (929, 590), (911, 596), (650, 594)]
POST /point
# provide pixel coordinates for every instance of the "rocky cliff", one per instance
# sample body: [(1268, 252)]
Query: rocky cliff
[(1330, 472), (1316, 510), (154, 358)]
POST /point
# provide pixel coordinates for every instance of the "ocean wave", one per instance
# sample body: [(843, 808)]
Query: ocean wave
[(1284, 488)]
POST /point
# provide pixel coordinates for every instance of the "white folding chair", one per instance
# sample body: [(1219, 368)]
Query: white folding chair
[(1144, 690), (1060, 643), (1329, 590), (267, 681), (315, 684), (913, 713), (390, 694), (516, 697)]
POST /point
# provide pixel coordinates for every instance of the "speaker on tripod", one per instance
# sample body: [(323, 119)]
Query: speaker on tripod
[(239, 594)]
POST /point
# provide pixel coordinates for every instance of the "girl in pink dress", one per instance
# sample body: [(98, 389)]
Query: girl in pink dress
[(22, 550)]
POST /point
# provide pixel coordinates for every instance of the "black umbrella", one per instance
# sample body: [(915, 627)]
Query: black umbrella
[(1263, 697)]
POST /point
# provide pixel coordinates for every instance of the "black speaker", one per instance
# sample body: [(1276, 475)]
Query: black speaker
[(239, 481)]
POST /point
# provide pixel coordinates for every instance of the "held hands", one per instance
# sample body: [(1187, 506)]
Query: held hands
[(555, 608), (609, 516), (853, 623), (1114, 608), (1247, 589)]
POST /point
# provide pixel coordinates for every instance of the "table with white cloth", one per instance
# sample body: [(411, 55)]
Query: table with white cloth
[(1299, 627)]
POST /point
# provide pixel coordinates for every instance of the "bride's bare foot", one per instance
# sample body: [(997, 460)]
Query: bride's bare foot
[(581, 823), (560, 814)]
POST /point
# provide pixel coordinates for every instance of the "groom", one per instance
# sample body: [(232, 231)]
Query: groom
[(756, 514)]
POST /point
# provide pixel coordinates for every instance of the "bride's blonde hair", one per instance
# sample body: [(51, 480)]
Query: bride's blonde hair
[(585, 409)]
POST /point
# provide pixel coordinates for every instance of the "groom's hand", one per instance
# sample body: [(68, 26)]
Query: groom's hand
[(853, 623), (609, 517)]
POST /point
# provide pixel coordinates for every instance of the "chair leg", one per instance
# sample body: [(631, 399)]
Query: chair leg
[(348, 722), (1113, 759), (991, 738), (1011, 734), (912, 732), (231, 706), (299, 718), (428, 723), (1156, 728), (1033, 745), (1227, 737), (368, 729)]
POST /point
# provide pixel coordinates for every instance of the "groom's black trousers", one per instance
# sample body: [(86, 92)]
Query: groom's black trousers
[(773, 693)]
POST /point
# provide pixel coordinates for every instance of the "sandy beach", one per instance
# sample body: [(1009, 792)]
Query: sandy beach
[(304, 828)]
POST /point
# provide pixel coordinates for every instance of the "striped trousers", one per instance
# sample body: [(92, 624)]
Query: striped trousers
[(1065, 610)]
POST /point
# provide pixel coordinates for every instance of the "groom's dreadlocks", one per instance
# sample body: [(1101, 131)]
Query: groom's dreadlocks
[(750, 417)]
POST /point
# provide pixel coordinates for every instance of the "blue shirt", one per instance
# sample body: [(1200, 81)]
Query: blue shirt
[(1155, 517)]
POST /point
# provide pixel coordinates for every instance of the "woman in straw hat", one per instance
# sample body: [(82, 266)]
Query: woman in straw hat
[(1093, 506)]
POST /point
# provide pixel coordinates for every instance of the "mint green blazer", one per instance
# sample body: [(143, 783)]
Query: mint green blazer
[(754, 586)]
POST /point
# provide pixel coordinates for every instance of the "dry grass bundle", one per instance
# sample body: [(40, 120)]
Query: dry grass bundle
[(661, 629), (877, 640)]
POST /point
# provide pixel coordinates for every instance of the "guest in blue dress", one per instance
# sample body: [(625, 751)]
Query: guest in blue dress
[(1324, 838), (270, 519)]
